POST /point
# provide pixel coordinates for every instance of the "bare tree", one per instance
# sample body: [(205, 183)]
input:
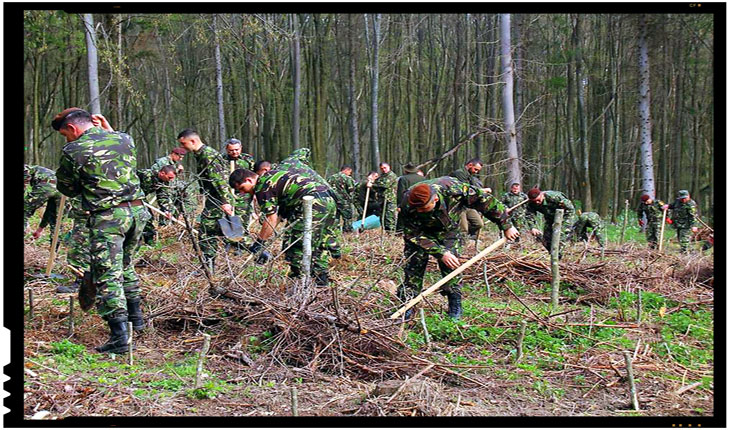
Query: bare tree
[(513, 164), (296, 79), (374, 94), (219, 83), (647, 161), (93, 63)]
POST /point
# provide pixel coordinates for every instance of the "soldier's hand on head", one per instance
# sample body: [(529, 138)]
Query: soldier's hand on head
[(512, 233), (99, 121), (535, 232), (450, 260)]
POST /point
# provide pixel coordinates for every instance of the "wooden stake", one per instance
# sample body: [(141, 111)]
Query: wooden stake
[(486, 280), (30, 303), (632, 384), (661, 231), (307, 239), (201, 357), (425, 329), (294, 402), (365, 209), (432, 289), (554, 257), (70, 315), (130, 353), (638, 307), (56, 230), (626, 220), (523, 328)]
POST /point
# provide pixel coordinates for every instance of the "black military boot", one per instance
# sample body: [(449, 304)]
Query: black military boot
[(322, 279), (64, 289), (134, 314), (454, 304), (117, 342)]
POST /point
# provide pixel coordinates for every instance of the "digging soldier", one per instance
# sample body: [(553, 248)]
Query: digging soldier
[(654, 211), (512, 198), (587, 225), (471, 221), (235, 158), (43, 191), (410, 178), (185, 194), (385, 187), (343, 186), (212, 174), (173, 159), (431, 214), (279, 193), (547, 202), (99, 165), (683, 219), (160, 184), (361, 189)]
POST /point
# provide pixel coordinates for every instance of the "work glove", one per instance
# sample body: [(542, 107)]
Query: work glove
[(263, 258), (669, 221), (641, 223)]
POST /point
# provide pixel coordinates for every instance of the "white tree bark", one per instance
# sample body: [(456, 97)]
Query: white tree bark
[(352, 102), (374, 94), (219, 84), (647, 161), (91, 54), (296, 80), (513, 163)]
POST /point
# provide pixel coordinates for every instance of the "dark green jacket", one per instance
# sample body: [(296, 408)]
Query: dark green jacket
[(405, 182), (553, 200), (213, 177), (464, 176), (684, 215)]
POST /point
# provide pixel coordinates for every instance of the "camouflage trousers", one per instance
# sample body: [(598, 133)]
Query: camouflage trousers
[(684, 236), (652, 234), (114, 240), (388, 215), (415, 269), (566, 232), (37, 198), (77, 243), (211, 234), (324, 237), (344, 213)]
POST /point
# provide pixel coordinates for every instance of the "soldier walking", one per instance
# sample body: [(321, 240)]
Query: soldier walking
[(100, 164), (547, 202), (654, 211), (43, 191), (279, 193), (683, 218), (431, 212), (212, 174), (343, 186)]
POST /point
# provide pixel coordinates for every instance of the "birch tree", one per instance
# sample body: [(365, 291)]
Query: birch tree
[(374, 95), (219, 83), (647, 162), (91, 54), (296, 79), (513, 163)]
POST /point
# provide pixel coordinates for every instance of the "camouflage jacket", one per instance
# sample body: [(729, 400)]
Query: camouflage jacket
[(281, 190), (684, 214), (586, 220), (510, 199), (653, 211), (464, 176), (386, 187), (245, 161), (151, 184), (41, 177), (553, 200), (101, 166), (75, 211), (404, 183), (343, 186), (162, 162), (213, 177), (431, 230)]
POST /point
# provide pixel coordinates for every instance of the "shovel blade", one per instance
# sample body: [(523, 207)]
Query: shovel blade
[(87, 292), (232, 227)]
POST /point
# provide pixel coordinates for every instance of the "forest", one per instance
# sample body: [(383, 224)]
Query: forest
[(604, 107), (363, 88)]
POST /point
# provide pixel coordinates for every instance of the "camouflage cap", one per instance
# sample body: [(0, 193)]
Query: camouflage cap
[(58, 120), (420, 195), (682, 194), (533, 193)]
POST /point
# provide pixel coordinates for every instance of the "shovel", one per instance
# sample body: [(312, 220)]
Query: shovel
[(232, 227)]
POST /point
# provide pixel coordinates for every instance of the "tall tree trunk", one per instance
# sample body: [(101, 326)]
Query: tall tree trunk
[(352, 102), (585, 174), (219, 84), (374, 77), (91, 54), (647, 162), (296, 79), (513, 163)]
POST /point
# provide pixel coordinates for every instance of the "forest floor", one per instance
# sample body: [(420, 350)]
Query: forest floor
[(337, 348)]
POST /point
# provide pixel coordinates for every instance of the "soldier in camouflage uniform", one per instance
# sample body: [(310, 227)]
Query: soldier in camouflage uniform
[(654, 211), (683, 218), (512, 198), (186, 194), (212, 174), (343, 186), (589, 224), (160, 183), (386, 187), (174, 159), (77, 244), (279, 193), (431, 213), (471, 221), (547, 202), (243, 204), (42, 191), (100, 164)]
